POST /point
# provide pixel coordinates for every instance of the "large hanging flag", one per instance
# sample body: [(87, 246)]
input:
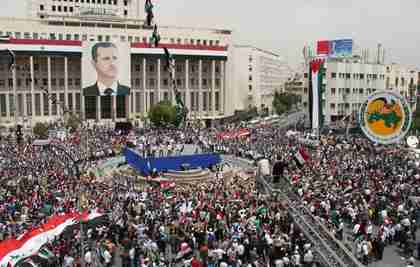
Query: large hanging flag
[(30, 243), (316, 70)]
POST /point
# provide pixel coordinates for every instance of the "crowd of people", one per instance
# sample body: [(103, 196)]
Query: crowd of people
[(226, 222)]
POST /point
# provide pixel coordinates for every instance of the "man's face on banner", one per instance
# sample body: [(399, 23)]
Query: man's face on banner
[(106, 62)]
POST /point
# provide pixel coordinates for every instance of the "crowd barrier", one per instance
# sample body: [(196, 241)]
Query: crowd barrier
[(164, 164)]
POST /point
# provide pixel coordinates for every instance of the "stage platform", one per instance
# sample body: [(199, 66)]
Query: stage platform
[(172, 163)]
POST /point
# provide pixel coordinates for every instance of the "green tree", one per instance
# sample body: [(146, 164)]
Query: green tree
[(41, 130), (73, 122), (415, 124), (284, 102), (163, 114)]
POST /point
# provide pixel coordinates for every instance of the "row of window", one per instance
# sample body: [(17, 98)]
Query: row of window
[(43, 82), (179, 68), (355, 91), (179, 82), (104, 2), (43, 110), (357, 76), (106, 38), (74, 103)]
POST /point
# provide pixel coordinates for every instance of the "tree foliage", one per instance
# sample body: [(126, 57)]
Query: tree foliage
[(73, 122), (415, 124), (41, 130), (163, 114), (284, 102)]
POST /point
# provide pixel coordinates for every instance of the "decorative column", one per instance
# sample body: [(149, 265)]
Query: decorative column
[(49, 84), (222, 96), (15, 106), (7, 105), (32, 75), (187, 86), (144, 88), (158, 91), (98, 108), (171, 91), (213, 83), (66, 84), (200, 88)]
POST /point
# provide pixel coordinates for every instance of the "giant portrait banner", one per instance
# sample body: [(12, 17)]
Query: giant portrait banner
[(105, 66)]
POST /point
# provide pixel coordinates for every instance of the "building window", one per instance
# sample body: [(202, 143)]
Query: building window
[(65, 9), (125, 12), (332, 106), (348, 75), (125, 2), (165, 82), (305, 75), (35, 35), (305, 90), (217, 69), (361, 76), (178, 82), (361, 91), (76, 37), (68, 36), (192, 82), (332, 91), (250, 78), (53, 8), (204, 82), (333, 75), (151, 68), (151, 83), (137, 67), (250, 87), (217, 83), (71, 9), (59, 8), (41, 7)]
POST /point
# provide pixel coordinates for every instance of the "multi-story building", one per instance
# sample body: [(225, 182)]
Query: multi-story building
[(296, 85), (257, 74), (49, 47), (348, 83)]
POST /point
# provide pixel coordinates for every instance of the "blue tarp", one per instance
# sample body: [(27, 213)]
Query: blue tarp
[(146, 165)]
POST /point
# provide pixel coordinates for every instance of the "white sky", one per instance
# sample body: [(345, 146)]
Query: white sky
[(285, 26)]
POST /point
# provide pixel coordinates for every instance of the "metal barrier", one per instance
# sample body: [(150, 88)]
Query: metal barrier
[(329, 250)]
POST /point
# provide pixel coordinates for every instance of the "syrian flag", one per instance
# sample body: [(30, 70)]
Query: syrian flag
[(315, 93), (30, 243), (301, 157)]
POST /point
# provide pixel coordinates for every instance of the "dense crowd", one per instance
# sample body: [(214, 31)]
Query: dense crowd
[(347, 185)]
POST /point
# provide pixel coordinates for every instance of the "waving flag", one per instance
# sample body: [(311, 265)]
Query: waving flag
[(14, 250)]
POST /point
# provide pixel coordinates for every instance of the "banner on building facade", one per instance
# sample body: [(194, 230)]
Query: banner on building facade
[(316, 68), (106, 71)]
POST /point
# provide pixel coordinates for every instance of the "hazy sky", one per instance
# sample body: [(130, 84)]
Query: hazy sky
[(285, 26)]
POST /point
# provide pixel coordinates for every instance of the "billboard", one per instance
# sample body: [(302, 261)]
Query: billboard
[(335, 48), (105, 79), (323, 47), (341, 48)]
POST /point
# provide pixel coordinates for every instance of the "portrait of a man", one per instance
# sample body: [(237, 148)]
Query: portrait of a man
[(105, 60)]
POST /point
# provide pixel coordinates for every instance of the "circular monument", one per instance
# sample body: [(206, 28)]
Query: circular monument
[(385, 117)]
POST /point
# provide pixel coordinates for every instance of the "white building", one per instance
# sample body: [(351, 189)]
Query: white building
[(48, 45), (257, 74), (348, 83)]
